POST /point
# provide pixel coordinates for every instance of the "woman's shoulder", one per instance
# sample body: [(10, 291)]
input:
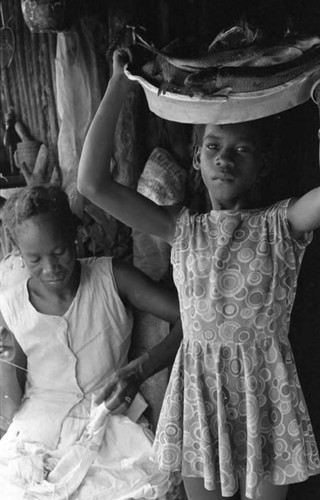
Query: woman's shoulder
[(14, 303), (94, 264), (14, 293), (12, 271), (96, 270)]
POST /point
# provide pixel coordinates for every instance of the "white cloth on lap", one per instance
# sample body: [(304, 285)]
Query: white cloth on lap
[(111, 461)]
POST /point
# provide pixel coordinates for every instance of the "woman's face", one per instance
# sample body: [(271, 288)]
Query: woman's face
[(46, 251), (230, 161)]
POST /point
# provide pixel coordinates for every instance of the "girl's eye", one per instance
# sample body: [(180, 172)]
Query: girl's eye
[(213, 147), (243, 149)]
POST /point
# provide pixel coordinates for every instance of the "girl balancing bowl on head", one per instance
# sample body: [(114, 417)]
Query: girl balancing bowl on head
[(234, 416), (72, 320)]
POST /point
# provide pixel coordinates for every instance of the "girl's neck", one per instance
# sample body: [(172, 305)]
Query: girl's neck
[(233, 204)]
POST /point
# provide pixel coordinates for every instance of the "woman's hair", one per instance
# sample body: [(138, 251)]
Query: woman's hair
[(39, 200)]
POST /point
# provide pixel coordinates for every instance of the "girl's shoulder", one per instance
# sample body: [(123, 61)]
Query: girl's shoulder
[(189, 217), (279, 206)]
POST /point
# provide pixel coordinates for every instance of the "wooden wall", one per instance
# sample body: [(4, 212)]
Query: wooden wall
[(27, 86)]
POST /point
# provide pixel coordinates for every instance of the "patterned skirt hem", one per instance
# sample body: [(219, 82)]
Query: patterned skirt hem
[(212, 484)]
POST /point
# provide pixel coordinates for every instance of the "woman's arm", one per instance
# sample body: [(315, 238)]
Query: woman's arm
[(125, 383), (14, 354), (94, 178), (155, 298)]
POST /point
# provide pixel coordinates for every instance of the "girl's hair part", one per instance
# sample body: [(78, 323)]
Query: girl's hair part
[(38, 200)]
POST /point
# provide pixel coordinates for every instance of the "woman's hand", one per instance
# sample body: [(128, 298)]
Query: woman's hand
[(121, 388)]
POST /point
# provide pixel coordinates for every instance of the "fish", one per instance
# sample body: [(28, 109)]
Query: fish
[(275, 55), (229, 57), (244, 69), (253, 78)]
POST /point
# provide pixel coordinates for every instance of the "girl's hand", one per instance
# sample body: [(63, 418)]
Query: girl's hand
[(121, 388), (120, 58)]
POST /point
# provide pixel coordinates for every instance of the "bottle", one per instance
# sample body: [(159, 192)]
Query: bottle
[(10, 140)]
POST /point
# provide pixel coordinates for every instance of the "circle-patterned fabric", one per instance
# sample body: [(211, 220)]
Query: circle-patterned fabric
[(234, 405)]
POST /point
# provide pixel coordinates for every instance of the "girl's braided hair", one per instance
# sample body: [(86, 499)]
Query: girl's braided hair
[(38, 200)]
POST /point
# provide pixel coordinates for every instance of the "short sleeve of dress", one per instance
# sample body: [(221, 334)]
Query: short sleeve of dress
[(278, 215)]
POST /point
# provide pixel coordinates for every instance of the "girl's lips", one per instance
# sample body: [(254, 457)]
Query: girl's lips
[(224, 178)]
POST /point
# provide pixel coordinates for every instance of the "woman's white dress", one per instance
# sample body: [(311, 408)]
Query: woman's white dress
[(69, 359)]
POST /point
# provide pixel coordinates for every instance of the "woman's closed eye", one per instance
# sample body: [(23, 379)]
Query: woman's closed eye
[(33, 260), (59, 251)]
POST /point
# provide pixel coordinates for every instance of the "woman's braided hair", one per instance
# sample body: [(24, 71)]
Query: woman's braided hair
[(38, 200)]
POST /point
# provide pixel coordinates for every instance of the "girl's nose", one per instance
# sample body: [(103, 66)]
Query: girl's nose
[(224, 157)]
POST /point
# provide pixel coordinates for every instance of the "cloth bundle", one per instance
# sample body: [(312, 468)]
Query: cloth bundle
[(111, 461)]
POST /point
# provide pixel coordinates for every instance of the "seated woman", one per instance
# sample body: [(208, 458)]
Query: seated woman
[(72, 320)]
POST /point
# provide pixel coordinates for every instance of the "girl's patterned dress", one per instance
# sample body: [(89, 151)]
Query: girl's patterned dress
[(234, 405)]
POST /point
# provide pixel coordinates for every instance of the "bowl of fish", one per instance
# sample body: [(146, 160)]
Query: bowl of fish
[(229, 84)]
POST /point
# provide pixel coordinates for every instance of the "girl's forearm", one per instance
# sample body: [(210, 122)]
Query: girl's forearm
[(94, 166)]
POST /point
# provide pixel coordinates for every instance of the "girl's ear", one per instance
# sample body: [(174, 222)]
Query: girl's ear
[(196, 157)]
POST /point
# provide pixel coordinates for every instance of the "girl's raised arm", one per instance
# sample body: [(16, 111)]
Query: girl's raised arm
[(94, 178), (304, 213)]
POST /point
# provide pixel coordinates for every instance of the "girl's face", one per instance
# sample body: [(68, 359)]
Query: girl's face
[(48, 254), (230, 160)]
